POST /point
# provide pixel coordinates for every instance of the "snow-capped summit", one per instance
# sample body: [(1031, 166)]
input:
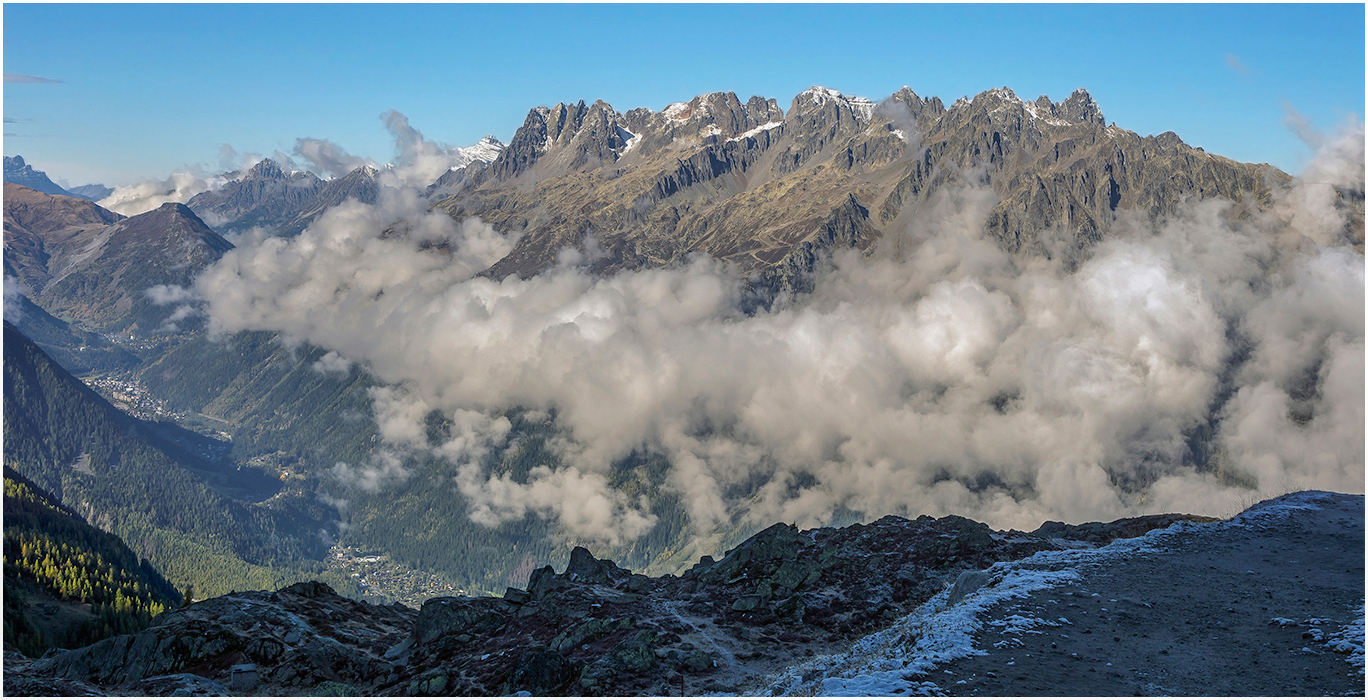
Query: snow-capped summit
[(485, 150), (816, 96)]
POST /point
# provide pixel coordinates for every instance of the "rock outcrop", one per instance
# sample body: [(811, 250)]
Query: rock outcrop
[(594, 629)]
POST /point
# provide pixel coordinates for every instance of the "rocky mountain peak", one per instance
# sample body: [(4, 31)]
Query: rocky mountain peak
[(1080, 107), (817, 97), (267, 169), (363, 174), (174, 218), (485, 150)]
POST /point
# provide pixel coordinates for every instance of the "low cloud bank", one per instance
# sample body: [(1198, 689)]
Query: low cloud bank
[(145, 196), (1185, 365)]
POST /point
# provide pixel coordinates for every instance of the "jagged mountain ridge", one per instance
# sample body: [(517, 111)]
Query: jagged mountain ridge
[(766, 189), (594, 629)]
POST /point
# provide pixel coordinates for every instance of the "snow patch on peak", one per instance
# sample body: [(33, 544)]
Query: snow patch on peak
[(818, 95), (1005, 93), (1036, 113), (678, 111), (485, 150), (631, 139), (763, 127)]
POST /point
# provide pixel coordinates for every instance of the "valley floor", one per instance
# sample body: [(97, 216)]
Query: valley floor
[(1268, 603)]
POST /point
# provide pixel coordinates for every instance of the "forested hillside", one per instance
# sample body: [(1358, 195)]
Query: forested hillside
[(113, 470), (68, 584)]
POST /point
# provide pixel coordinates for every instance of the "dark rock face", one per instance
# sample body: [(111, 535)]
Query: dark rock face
[(594, 629)]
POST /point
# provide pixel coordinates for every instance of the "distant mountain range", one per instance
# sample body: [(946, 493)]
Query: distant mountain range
[(767, 189), (287, 203), (21, 173)]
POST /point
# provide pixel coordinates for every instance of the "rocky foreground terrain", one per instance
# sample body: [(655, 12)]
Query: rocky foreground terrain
[(894, 607)]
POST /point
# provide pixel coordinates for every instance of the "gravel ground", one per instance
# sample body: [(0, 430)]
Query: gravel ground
[(1245, 608)]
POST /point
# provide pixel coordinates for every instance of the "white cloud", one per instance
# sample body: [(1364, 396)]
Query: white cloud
[(938, 375), (150, 194)]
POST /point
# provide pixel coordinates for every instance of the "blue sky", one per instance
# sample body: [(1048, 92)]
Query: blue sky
[(146, 89)]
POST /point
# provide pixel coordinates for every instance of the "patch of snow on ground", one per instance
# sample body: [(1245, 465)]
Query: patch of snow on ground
[(937, 632), (1349, 640), (880, 663), (887, 662), (709, 130)]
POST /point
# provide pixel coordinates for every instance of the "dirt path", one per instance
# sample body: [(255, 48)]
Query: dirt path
[(1218, 610)]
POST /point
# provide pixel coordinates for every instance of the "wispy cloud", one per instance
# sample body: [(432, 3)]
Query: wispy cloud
[(1237, 65), (21, 78)]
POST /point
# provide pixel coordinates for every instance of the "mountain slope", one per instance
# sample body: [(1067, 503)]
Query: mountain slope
[(122, 475), (54, 559), (41, 227), (76, 349), (92, 265), (765, 189)]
